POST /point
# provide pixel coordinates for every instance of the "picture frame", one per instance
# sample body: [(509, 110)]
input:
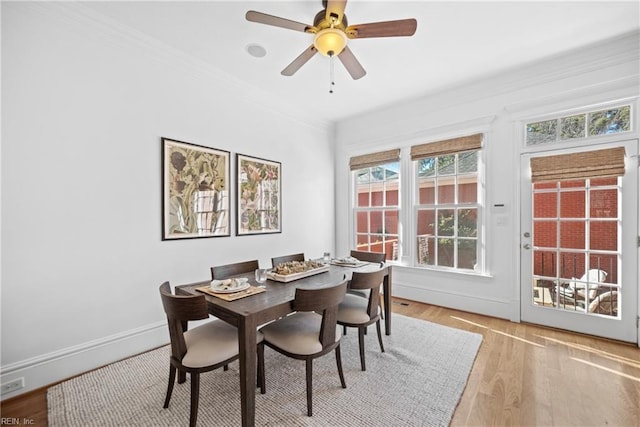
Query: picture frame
[(196, 191), (259, 195)]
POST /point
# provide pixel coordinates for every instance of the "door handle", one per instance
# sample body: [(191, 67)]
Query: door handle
[(526, 246)]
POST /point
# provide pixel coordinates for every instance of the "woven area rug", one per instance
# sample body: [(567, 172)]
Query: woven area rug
[(418, 381)]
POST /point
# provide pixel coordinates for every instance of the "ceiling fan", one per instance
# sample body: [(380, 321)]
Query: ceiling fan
[(331, 33)]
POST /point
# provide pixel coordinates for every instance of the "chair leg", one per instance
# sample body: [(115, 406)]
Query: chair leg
[(195, 396), (339, 363), (361, 331), (225, 368), (261, 376), (309, 386), (172, 380), (379, 336)]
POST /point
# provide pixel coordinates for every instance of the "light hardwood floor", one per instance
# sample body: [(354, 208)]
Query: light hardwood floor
[(524, 375)]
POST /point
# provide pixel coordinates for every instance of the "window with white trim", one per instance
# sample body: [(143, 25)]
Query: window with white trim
[(447, 203), (377, 203)]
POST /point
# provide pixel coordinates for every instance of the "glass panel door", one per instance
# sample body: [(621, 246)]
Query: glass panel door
[(579, 252)]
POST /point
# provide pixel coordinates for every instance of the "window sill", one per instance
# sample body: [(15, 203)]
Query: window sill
[(457, 273)]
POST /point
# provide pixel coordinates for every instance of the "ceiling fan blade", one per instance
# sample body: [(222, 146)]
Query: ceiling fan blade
[(299, 61), (352, 65), (335, 7), (402, 27), (276, 21)]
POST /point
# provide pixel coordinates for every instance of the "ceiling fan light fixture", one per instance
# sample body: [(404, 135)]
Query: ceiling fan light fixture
[(330, 41)]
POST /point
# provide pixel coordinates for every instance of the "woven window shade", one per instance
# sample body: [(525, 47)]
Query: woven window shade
[(374, 159), (447, 146), (589, 164)]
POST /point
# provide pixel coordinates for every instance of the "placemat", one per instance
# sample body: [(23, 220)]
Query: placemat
[(234, 296)]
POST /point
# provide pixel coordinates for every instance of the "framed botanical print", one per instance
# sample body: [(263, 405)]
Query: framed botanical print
[(258, 196), (195, 195)]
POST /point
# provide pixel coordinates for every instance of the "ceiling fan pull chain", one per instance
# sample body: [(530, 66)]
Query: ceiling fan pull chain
[(331, 78)]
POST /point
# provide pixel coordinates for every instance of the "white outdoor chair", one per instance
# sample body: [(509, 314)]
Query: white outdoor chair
[(590, 280)]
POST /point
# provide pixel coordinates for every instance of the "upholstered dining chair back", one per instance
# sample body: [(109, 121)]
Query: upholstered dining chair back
[(221, 272), (287, 258)]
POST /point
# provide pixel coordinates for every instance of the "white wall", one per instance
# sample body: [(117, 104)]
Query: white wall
[(83, 111), (608, 71)]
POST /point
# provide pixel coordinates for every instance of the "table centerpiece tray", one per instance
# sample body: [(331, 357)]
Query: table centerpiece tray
[(295, 276)]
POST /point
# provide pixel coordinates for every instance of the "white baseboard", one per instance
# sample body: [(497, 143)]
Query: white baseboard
[(50, 368), (501, 308)]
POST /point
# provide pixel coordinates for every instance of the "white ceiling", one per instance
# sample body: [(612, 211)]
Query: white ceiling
[(455, 42)]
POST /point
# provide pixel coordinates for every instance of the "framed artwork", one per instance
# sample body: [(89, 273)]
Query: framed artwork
[(195, 194), (258, 196)]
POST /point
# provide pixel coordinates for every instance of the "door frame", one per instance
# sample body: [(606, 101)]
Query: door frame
[(625, 328)]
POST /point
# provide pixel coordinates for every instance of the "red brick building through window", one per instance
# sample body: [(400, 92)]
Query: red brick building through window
[(575, 224)]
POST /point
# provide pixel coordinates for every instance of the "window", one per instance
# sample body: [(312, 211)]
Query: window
[(447, 206), (446, 209), (585, 125), (377, 204), (377, 209)]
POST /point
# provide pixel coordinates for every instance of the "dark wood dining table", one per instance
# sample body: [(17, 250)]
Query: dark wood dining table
[(254, 310)]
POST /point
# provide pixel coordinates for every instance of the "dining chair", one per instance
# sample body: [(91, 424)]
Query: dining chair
[(357, 312), (307, 334), (286, 258), (225, 271), (204, 348), (368, 257)]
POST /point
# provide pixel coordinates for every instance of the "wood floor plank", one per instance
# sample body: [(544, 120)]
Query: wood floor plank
[(524, 375), (28, 409), (531, 375)]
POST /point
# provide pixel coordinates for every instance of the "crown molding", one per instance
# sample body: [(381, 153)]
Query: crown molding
[(111, 31), (621, 90), (623, 50)]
